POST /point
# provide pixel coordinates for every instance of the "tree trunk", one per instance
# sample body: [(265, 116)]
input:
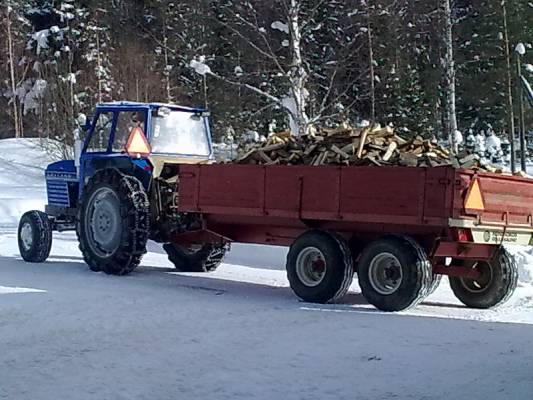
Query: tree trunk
[(166, 72), (99, 67), (372, 73), (12, 75), (510, 108), (297, 74), (449, 73)]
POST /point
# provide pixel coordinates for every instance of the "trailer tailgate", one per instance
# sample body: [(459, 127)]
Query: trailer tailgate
[(506, 214)]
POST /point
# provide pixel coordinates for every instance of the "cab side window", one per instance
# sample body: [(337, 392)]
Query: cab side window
[(126, 122), (102, 132)]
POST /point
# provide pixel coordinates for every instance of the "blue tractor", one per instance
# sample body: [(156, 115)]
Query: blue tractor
[(120, 189)]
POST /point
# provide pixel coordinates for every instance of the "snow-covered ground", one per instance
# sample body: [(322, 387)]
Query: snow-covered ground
[(21, 178), (66, 332)]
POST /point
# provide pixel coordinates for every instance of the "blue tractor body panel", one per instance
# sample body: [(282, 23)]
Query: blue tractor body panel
[(93, 162), (62, 184)]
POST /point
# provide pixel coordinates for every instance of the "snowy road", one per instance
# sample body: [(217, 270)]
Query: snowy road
[(161, 335), (68, 333)]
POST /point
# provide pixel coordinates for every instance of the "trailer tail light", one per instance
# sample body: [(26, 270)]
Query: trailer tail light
[(474, 197), (464, 235), (138, 145)]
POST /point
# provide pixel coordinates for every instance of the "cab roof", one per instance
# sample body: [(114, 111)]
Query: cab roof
[(132, 106)]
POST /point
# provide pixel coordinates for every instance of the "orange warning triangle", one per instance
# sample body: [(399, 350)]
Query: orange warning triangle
[(137, 143), (474, 197)]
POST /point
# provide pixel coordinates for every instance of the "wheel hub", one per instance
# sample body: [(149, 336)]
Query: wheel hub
[(385, 274), (103, 222), (311, 266), (482, 281), (26, 235)]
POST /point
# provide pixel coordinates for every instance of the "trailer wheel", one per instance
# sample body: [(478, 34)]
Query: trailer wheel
[(113, 223), (319, 267), (35, 236), (205, 259), (495, 285), (394, 273), (435, 283)]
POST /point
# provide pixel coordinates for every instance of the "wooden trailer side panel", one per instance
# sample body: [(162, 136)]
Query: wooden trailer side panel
[(386, 195)]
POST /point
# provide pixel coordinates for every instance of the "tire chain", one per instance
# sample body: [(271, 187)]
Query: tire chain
[(509, 262), (215, 257), (424, 265), (348, 268), (139, 200)]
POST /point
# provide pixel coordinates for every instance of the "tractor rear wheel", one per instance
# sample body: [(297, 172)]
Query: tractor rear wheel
[(207, 258), (113, 222), (35, 236)]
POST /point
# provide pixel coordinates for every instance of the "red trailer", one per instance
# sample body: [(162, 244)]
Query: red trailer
[(399, 228)]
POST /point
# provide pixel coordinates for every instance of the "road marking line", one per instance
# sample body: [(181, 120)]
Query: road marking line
[(13, 290)]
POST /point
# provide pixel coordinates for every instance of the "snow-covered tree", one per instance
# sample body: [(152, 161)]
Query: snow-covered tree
[(96, 47), (285, 41), (54, 90)]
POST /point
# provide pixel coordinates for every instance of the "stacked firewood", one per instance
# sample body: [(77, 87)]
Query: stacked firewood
[(356, 146)]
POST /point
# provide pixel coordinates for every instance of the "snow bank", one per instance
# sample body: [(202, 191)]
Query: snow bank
[(524, 259), (22, 187)]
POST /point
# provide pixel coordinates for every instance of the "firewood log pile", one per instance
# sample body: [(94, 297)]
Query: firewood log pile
[(356, 146)]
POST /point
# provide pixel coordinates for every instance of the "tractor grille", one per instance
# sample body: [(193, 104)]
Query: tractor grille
[(58, 193)]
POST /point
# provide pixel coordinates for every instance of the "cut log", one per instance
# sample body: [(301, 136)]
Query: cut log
[(390, 151), (408, 160), (273, 147), (247, 156), (264, 157), (362, 143), (355, 146), (339, 152)]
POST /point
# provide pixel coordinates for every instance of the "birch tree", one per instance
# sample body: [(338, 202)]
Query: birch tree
[(510, 108), (285, 43), (371, 61), (449, 76)]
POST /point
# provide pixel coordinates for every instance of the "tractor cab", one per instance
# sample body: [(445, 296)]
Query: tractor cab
[(138, 139), (158, 133)]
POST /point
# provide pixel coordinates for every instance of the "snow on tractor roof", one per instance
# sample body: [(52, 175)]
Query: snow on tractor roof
[(128, 105)]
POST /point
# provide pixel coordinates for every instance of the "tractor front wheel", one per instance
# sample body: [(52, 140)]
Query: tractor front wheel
[(35, 236), (113, 222)]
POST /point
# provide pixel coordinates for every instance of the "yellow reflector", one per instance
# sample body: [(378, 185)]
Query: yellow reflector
[(137, 144), (474, 198)]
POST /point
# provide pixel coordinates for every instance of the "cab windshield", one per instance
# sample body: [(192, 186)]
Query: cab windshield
[(180, 132)]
